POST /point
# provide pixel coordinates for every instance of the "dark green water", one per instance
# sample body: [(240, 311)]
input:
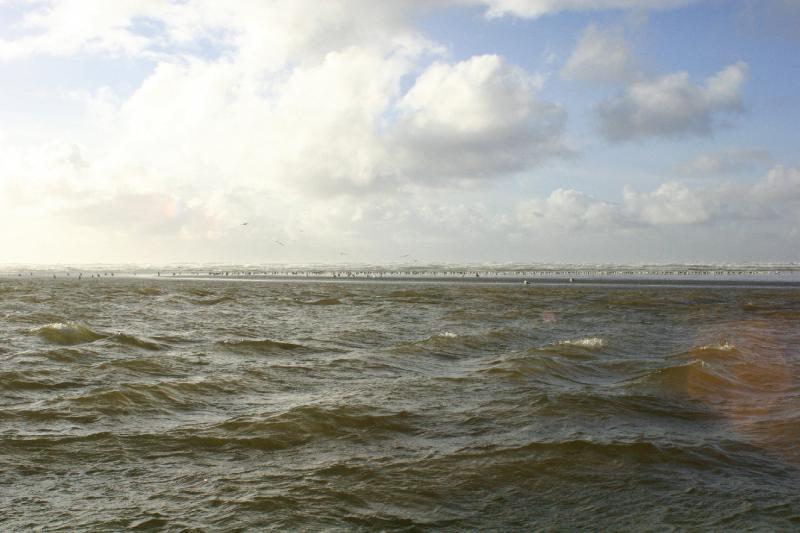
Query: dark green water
[(192, 405)]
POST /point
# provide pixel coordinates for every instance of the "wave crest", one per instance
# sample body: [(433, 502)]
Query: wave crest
[(68, 333), (588, 342), (262, 345)]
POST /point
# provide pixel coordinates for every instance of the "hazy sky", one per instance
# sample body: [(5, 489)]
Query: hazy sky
[(363, 130)]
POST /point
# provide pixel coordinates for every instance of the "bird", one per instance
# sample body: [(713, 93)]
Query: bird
[(279, 242), (244, 223)]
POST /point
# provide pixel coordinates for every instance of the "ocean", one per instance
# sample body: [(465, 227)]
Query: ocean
[(367, 399)]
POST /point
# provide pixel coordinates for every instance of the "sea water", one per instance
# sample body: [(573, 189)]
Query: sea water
[(188, 403)]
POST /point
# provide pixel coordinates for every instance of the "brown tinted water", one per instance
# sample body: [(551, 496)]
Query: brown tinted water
[(220, 405)]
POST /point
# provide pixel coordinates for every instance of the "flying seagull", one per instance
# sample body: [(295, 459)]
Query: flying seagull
[(279, 242)]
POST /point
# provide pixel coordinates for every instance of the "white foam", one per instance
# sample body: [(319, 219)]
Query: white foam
[(589, 342), (720, 346)]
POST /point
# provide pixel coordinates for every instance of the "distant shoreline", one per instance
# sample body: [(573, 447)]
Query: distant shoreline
[(586, 281), (654, 275), (585, 278)]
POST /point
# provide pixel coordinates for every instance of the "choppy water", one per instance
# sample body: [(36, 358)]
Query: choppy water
[(214, 405)]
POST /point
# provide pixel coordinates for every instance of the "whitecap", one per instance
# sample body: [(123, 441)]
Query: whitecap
[(589, 342)]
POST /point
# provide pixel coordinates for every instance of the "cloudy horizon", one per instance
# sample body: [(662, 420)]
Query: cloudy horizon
[(613, 131)]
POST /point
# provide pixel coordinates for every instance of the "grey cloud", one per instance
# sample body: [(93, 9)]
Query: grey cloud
[(672, 106), (772, 17), (538, 8), (601, 56), (143, 213), (477, 119)]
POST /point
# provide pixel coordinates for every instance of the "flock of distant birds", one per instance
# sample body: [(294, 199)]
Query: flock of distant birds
[(421, 274), (389, 273), (79, 276)]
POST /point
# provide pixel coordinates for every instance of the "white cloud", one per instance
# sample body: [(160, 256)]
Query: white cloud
[(672, 106), (773, 199), (70, 26), (601, 56), (477, 118), (263, 33), (330, 132), (731, 161), (538, 8), (671, 203), (781, 186), (320, 141), (567, 210)]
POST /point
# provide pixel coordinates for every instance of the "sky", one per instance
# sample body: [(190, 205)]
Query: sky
[(331, 131)]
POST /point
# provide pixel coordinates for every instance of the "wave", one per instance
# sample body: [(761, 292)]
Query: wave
[(270, 431), (543, 367), (136, 342), (316, 420), (67, 333), (150, 291), (409, 293), (588, 342), (324, 301), (263, 345), (162, 397), (723, 350), (694, 374), (21, 380), (418, 296), (213, 301), (451, 344), (198, 292), (138, 365), (639, 451)]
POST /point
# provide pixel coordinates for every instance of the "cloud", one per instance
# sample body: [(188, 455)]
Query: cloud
[(331, 132), (478, 118), (67, 27), (601, 56), (671, 203), (774, 199), (771, 17), (539, 8), (727, 162), (672, 106), (567, 210), (263, 34)]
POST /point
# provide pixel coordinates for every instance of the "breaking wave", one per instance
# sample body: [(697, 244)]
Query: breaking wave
[(589, 342), (68, 333)]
